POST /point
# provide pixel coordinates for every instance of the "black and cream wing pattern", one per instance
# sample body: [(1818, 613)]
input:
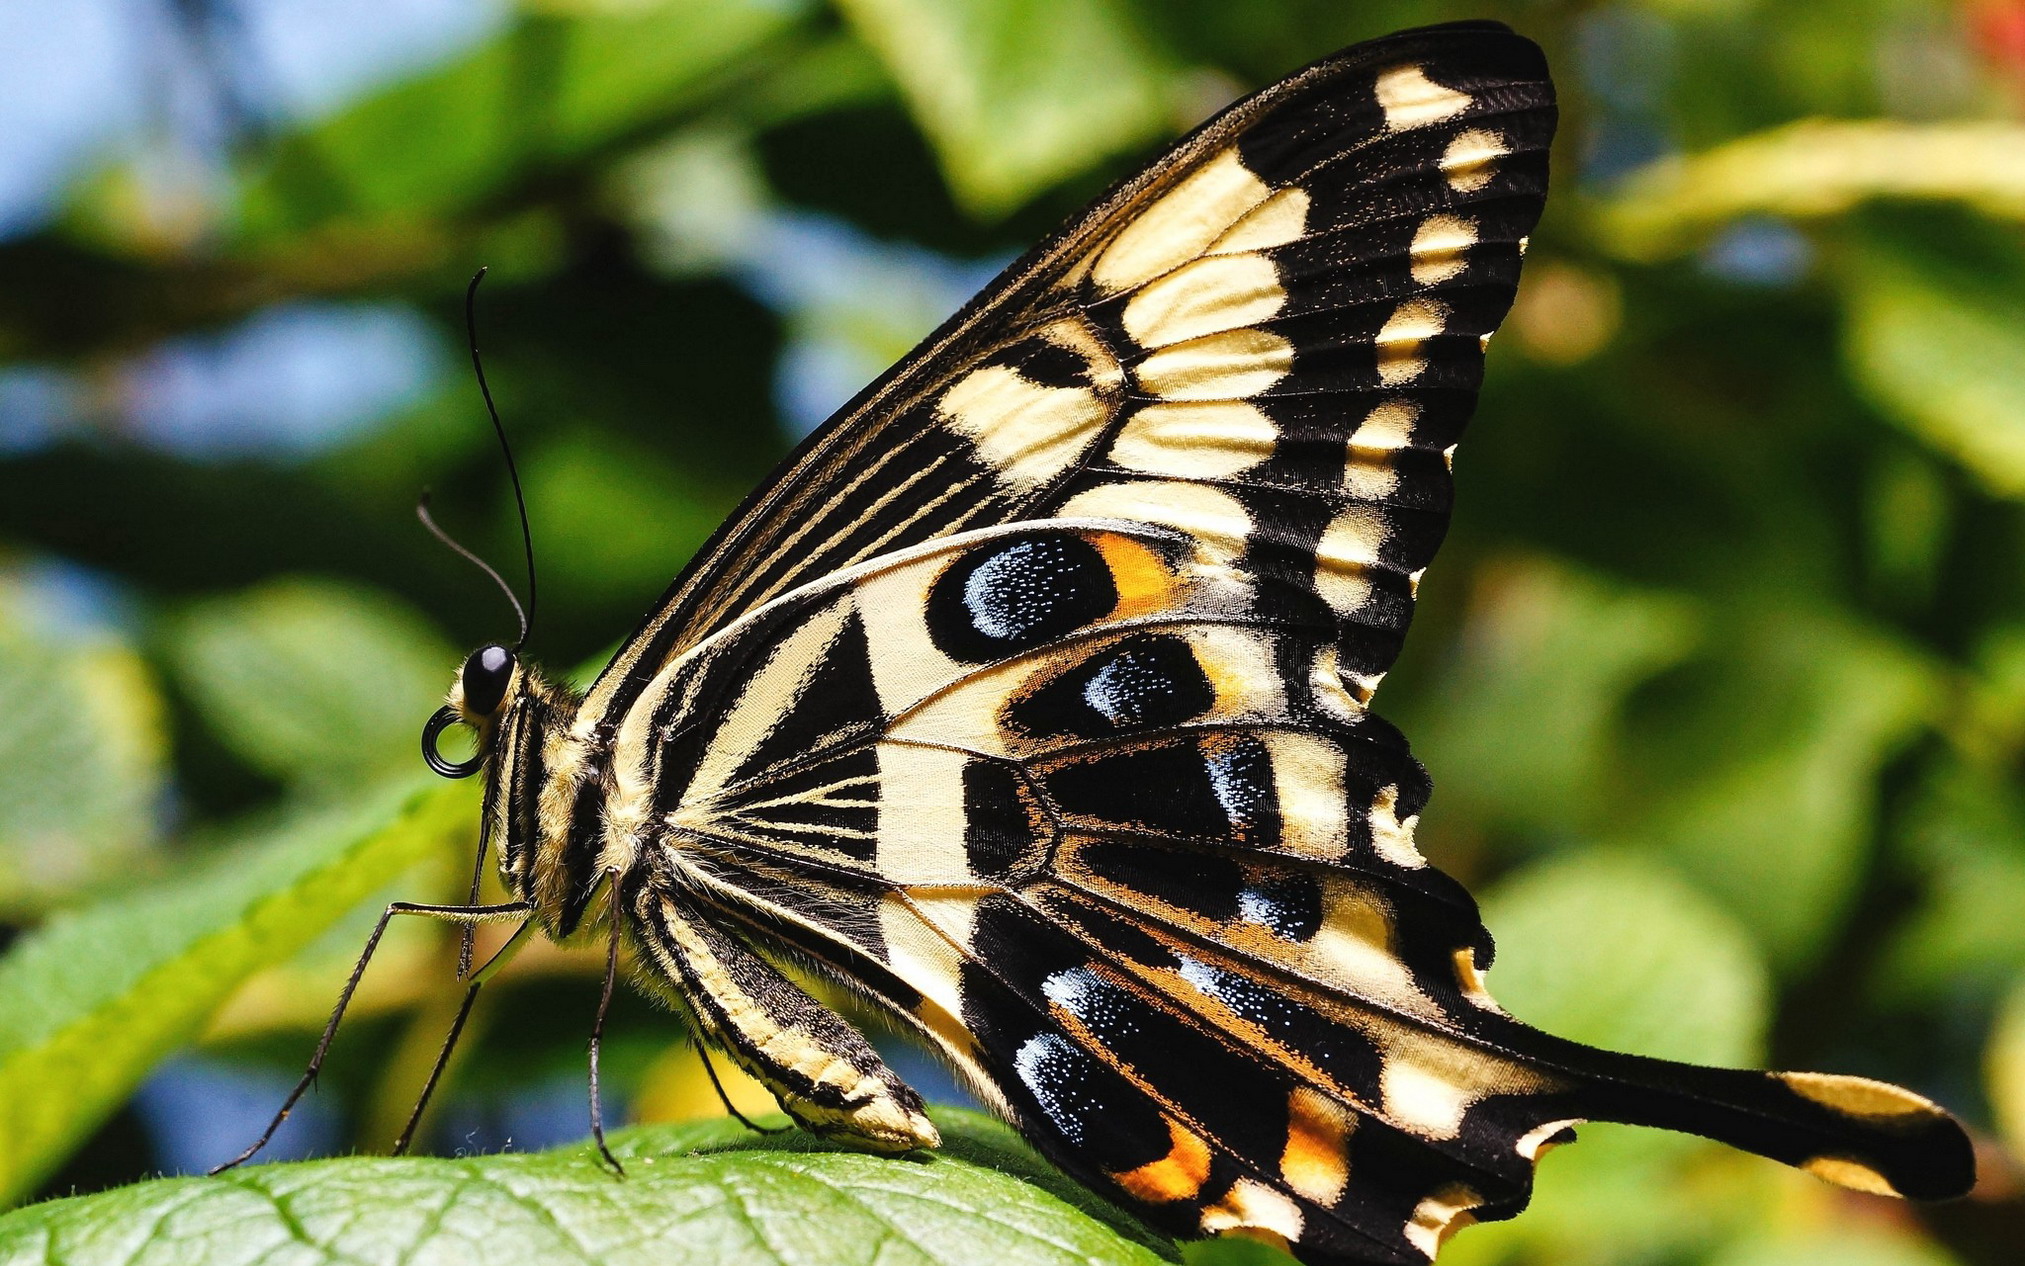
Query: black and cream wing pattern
[(1031, 699)]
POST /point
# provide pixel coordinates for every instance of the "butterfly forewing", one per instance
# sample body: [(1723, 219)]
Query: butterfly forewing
[(1030, 698)]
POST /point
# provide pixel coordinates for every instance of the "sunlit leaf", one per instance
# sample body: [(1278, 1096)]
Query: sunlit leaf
[(1835, 1246), (1019, 94), (81, 755), (1937, 349), (312, 680), (704, 1193), (91, 1001), (2006, 1069), (1815, 168)]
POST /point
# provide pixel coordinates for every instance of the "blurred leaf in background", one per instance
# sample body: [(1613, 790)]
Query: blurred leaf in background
[(1720, 677), (83, 747)]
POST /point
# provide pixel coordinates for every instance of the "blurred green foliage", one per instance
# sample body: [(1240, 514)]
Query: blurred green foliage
[(1721, 676)]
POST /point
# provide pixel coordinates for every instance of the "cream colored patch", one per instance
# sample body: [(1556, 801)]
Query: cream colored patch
[(907, 666), (1180, 224), (1232, 365), (1471, 981), (1316, 1160), (1387, 428), (1211, 439), (767, 694), (1533, 1143), (1280, 219), (1441, 247), (1353, 950), (1427, 1088), (1398, 345), (1471, 159), (1218, 521), (1250, 1205), (1368, 472), (1369, 480), (968, 714), (1325, 678), (1240, 666), (1440, 1216), (1859, 1096), (922, 932), (1308, 787), (921, 818), (1026, 432), (1350, 547), (1410, 99), (1854, 1175), (1392, 835), (1204, 296)]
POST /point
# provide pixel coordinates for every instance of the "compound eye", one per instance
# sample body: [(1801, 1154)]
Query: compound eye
[(486, 675)]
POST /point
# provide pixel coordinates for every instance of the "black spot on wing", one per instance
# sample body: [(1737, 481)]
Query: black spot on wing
[(1159, 786), (1140, 682), (1289, 903), (1005, 831), (1215, 786), (1206, 886), (1017, 593), (1044, 362)]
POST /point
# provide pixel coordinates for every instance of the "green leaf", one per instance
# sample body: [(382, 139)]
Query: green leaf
[(555, 86), (1812, 169), (93, 1000), (1524, 727), (1936, 347), (312, 680), (580, 485), (1874, 1245), (2005, 1065), (1019, 94), (703, 1192), (1764, 783), (1620, 951), (81, 756), (1966, 831)]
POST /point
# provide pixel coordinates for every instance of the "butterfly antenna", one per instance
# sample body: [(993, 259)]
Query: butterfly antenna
[(512, 470), (422, 513)]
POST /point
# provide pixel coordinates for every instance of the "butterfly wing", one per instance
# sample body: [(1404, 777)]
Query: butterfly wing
[(1290, 226), (1031, 697)]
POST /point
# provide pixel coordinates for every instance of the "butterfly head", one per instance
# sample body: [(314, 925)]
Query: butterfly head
[(479, 697)]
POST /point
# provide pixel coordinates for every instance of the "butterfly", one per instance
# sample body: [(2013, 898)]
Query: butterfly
[(1030, 699)]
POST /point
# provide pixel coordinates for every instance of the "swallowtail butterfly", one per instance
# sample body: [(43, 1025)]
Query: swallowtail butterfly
[(1030, 699)]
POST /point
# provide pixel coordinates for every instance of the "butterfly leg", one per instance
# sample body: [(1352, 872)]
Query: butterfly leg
[(466, 915), (505, 954), (616, 926), (823, 1071)]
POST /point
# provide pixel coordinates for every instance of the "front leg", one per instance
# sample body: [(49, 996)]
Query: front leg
[(823, 1071)]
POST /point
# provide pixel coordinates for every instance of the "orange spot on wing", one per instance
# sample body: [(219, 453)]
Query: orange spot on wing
[(1145, 583), (1179, 1175), (1316, 1160)]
